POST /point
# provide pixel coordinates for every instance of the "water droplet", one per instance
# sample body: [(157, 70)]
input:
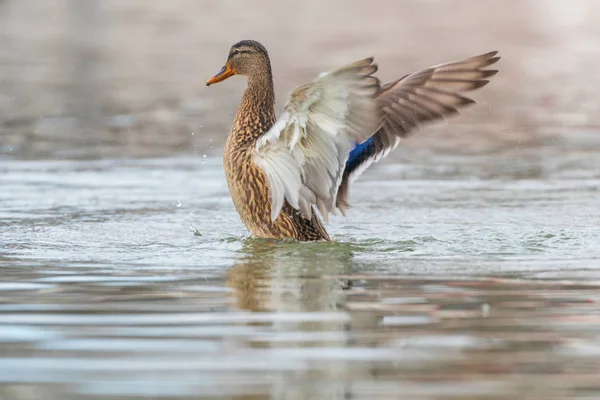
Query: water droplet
[(192, 133), (196, 231), (178, 204), (203, 158)]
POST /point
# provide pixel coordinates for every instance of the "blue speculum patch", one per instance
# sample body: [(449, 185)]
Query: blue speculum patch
[(355, 159)]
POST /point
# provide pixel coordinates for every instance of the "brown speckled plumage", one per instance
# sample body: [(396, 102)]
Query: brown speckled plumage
[(247, 182)]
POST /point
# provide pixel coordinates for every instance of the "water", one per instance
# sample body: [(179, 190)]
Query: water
[(452, 278)]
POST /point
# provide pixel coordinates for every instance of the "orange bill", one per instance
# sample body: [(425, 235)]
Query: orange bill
[(220, 76)]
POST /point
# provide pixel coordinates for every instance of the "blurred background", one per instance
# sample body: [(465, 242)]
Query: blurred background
[(82, 78)]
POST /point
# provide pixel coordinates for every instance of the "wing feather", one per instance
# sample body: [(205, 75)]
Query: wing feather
[(424, 96), (304, 154)]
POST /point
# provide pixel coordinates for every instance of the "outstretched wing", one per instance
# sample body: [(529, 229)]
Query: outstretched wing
[(424, 96), (304, 154)]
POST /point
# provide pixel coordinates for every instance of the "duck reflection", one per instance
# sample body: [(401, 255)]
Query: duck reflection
[(298, 285), (289, 277)]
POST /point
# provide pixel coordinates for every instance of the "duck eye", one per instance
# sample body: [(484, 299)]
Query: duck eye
[(235, 52)]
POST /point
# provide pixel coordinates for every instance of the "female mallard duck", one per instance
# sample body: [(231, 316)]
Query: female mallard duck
[(279, 169)]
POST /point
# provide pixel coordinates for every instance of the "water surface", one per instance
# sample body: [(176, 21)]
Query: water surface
[(461, 278)]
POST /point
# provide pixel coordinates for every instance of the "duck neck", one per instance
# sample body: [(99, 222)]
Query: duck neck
[(256, 113)]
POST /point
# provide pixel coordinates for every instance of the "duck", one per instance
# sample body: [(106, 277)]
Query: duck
[(282, 172)]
